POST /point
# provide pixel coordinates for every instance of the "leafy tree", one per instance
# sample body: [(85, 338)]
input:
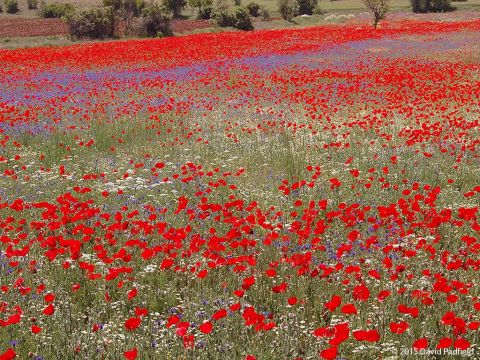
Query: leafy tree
[(175, 6), (156, 21), (306, 6), (238, 18), (126, 9), (205, 11), (425, 6), (11, 6), (32, 4), (253, 9), (94, 23), (224, 18), (242, 19), (378, 8), (55, 10), (205, 7), (288, 9)]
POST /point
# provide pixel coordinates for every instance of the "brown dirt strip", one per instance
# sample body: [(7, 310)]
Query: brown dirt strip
[(50, 27)]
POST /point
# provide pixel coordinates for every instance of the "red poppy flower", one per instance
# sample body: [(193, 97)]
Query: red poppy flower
[(219, 314), (131, 354), (330, 353), (462, 344), (49, 297), (361, 293), (132, 293), (206, 327), (444, 343), (292, 300), (420, 344), (333, 303), (132, 323), (8, 355), (348, 309), (399, 328), (366, 335), (49, 310)]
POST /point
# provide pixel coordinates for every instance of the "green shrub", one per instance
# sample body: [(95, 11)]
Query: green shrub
[(95, 23), (238, 18), (237, 2), (242, 19), (306, 6), (132, 8), (288, 9), (174, 6), (205, 8), (205, 12), (55, 10), (378, 9), (224, 18), (32, 4), (253, 9), (263, 13), (221, 5), (11, 6), (156, 22), (442, 6), (426, 6), (318, 10), (126, 10)]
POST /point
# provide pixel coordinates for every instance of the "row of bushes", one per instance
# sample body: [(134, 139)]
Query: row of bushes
[(223, 15), (55, 10), (291, 8), (426, 6), (11, 6), (103, 22), (238, 18), (143, 20)]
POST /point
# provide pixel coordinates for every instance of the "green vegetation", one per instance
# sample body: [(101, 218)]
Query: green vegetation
[(11, 6), (204, 8), (288, 9), (238, 18), (126, 10), (306, 7), (155, 22), (55, 10), (378, 9), (253, 9), (425, 6), (32, 4), (97, 23), (175, 6)]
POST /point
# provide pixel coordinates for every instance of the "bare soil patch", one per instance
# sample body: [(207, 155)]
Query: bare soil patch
[(23, 27)]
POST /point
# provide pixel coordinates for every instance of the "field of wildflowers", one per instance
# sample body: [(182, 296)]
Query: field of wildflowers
[(289, 194)]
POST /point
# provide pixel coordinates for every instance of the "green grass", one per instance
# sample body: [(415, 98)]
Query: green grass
[(35, 41)]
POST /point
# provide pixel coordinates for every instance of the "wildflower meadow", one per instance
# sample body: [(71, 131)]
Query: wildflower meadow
[(281, 194)]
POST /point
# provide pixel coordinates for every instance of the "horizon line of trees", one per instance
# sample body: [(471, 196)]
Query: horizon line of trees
[(152, 19)]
